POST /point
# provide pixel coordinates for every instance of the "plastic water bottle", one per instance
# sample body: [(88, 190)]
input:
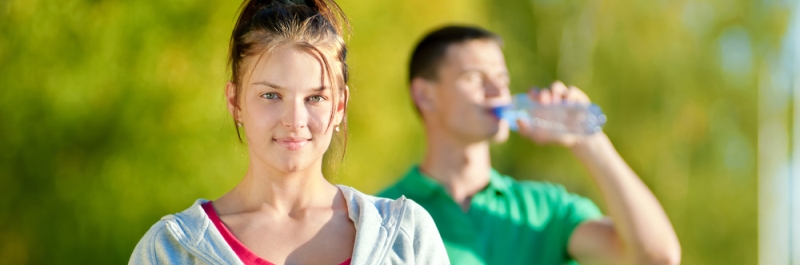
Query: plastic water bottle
[(557, 118)]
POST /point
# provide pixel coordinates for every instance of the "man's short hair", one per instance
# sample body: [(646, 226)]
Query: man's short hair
[(430, 51)]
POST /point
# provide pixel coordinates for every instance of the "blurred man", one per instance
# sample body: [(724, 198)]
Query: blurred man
[(457, 74)]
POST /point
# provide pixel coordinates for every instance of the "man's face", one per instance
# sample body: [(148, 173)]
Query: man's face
[(472, 79)]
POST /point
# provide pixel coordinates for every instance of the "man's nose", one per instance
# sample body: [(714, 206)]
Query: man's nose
[(493, 88)]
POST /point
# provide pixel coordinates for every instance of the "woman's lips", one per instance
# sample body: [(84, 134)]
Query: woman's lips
[(292, 144)]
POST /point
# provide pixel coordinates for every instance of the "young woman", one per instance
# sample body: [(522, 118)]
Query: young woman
[(288, 94)]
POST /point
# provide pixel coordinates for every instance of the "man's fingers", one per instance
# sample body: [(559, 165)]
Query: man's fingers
[(524, 127), (533, 94), (576, 95), (559, 91), (545, 96)]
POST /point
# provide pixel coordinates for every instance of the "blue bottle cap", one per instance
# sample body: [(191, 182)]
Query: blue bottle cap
[(507, 114)]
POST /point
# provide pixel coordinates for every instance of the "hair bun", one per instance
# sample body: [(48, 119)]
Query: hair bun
[(295, 2), (328, 9)]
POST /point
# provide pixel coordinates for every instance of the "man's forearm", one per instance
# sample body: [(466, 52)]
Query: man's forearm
[(638, 217)]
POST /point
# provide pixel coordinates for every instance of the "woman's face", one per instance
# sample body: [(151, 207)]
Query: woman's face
[(285, 107)]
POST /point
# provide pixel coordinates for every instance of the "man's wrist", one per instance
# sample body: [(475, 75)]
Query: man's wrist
[(592, 145)]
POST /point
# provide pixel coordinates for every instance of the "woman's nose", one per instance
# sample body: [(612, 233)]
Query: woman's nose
[(295, 116)]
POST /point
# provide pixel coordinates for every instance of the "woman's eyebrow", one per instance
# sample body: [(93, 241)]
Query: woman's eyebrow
[(268, 84), (265, 83)]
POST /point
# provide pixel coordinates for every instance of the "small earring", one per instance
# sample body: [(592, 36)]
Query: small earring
[(239, 124), (336, 128)]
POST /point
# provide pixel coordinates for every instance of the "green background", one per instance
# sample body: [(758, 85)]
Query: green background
[(112, 112)]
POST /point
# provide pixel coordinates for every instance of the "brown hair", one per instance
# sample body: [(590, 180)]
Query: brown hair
[(430, 51), (316, 26)]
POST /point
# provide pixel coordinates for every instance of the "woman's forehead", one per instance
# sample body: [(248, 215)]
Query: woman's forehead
[(289, 67)]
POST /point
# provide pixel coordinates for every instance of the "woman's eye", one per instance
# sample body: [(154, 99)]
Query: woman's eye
[(270, 95), (316, 98)]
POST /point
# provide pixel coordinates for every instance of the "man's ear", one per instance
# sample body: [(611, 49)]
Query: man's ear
[(422, 94), (230, 98)]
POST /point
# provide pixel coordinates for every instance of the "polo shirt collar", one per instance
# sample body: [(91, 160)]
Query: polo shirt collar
[(498, 183), (420, 185)]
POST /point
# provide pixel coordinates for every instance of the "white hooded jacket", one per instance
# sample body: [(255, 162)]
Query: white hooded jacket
[(387, 232)]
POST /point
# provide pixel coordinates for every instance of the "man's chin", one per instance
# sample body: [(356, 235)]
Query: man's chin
[(501, 136)]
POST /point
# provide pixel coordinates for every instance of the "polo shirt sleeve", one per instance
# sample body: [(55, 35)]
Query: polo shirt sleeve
[(564, 211), (571, 209), (578, 210)]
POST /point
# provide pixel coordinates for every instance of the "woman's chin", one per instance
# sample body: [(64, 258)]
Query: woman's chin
[(294, 165), (291, 161), (291, 166)]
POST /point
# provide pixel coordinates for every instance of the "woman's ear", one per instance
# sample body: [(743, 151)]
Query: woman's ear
[(341, 105), (422, 94), (231, 99)]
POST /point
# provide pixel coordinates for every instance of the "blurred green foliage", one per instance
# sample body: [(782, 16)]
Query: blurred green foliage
[(112, 115)]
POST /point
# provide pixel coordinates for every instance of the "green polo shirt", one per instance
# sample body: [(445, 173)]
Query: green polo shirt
[(508, 222)]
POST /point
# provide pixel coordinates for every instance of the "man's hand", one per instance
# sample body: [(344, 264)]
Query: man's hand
[(557, 93), (640, 232)]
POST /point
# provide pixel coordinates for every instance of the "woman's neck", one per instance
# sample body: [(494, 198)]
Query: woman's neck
[(284, 193)]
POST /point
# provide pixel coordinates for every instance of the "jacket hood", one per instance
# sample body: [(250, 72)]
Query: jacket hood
[(377, 222)]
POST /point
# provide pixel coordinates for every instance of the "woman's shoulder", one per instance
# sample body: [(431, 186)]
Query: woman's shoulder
[(360, 203), (407, 230), (157, 240), (402, 210), (177, 239), (159, 245)]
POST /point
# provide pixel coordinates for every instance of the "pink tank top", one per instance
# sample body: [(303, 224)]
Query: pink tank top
[(244, 253)]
